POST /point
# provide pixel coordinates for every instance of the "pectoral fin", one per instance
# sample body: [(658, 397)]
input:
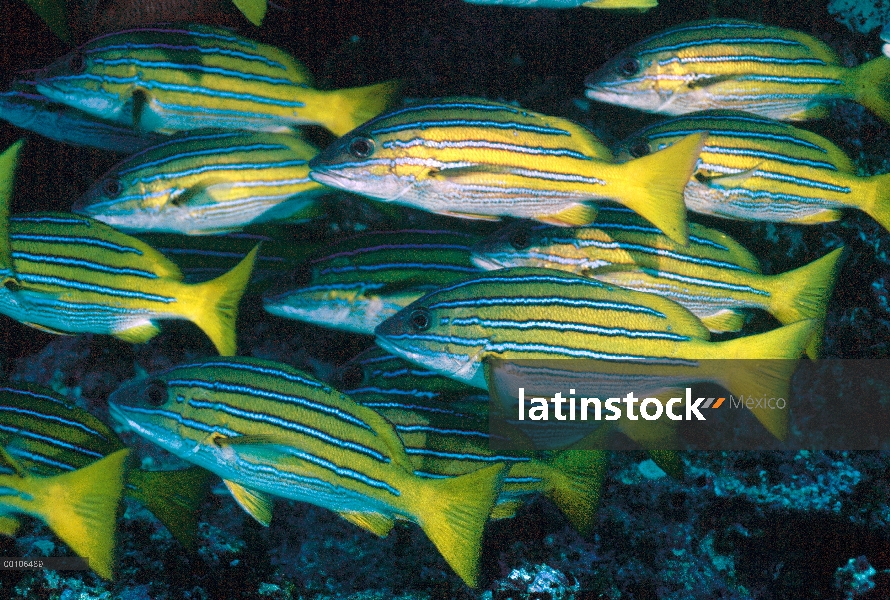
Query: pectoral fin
[(257, 504), (197, 194)]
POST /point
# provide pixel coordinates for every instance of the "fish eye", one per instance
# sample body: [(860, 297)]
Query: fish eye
[(76, 63), (520, 239), (112, 188), (639, 148), (351, 377), (361, 147), (628, 67), (12, 285), (420, 319), (155, 393)]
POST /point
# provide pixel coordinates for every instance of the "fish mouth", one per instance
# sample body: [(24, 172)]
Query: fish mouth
[(326, 177)]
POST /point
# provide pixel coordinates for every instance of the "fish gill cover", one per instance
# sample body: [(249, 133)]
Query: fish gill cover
[(787, 231)]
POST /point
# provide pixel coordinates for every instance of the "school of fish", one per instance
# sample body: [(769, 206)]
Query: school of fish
[(598, 263)]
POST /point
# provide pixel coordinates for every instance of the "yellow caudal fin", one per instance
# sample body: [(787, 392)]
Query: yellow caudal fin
[(577, 483), (217, 308), (761, 366), (641, 5), (871, 86), (453, 512), (174, 497), (878, 205), (804, 294), (652, 186), (345, 110), (81, 508)]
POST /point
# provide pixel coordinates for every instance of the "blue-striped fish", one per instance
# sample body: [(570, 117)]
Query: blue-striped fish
[(79, 506), (756, 169), (529, 313), (641, 5), (77, 275), (24, 107), (270, 430), (49, 436), (445, 428), (205, 257), (733, 64), (714, 276), (205, 183), (182, 77), (482, 159), (360, 281)]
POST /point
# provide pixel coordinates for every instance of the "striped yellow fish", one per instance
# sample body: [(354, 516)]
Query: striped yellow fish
[(529, 313), (205, 183), (476, 158), (77, 275), (733, 64), (269, 430), (358, 282), (714, 276), (49, 436), (182, 77), (757, 169), (79, 506), (641, 5), (444, 426)]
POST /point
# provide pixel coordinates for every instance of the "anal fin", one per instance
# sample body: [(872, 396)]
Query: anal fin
[(138, 334), (575, 215), (257, 504), (377, 523), (724, 321)]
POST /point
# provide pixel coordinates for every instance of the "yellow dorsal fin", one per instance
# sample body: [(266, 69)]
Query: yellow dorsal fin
[(377, 523), (257, 504)]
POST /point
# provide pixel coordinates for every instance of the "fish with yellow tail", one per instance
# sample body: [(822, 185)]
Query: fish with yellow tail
[(758, 169), (444, 425), (713, 276), (733, 64), (49, 436), (480, 159), (79, 506), (168, 78), (529, 313), (640, 5), (204, 183), (76, 275), (269, 430)]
